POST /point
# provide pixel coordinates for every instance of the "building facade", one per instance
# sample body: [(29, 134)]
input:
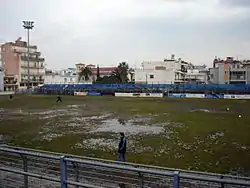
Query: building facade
[(168, 71), (64, 76), (103, 71), (1, 74), (15, 65), (230, 71), (1, 80), (197, 74)]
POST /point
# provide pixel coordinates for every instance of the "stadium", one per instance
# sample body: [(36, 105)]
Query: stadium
[(190, 127)]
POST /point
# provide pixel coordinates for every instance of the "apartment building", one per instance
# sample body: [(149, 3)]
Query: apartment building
[(1, 74), (15, 65), (168, 71), (197, 74), (230, 71)]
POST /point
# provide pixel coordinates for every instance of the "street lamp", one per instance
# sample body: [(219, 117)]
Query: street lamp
[(28, 25)]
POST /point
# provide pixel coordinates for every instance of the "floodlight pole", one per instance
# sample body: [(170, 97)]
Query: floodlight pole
[(28, 25)]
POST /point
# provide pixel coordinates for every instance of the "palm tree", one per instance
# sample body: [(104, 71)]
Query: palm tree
[(85, 73), (121, 72)]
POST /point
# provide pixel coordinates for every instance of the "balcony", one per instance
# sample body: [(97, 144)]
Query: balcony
[(33, 66), (238, 75), (33, 73), (32, 80), (237, 78), (9, 81), (36, 59), (237, 70)]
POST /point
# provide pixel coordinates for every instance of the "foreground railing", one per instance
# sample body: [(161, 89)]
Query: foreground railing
[(21, 167)]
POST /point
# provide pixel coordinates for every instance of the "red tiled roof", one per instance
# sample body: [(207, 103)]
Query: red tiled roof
[(103, 70)]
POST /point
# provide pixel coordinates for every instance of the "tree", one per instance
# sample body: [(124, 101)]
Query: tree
[(98, 72), (121, 72), (131, 73), (85, 73), (107, 80)]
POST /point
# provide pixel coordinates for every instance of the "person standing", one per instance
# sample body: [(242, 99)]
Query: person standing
[(59, 99), (122, 147)]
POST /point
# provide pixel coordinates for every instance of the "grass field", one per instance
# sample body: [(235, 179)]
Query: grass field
[(193, 134)]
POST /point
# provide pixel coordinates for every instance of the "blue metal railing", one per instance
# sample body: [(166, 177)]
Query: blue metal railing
[(68, 170)]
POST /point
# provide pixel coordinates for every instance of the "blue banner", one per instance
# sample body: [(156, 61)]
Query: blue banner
[(94, 94), (177, 95), (214, 96)]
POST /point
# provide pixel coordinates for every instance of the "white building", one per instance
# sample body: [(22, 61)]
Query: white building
[(64, 76), (59, 79), (230, 71), (197, 74), (168, 71)]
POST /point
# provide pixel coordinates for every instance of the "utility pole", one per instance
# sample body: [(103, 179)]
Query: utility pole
[(28, 25)]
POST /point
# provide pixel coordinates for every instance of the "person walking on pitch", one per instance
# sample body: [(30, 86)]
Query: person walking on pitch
[(122, 148)]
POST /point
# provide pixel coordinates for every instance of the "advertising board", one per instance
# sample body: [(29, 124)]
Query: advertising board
[(195, 95), (177, 95), (236, 96), (136, 94), (214, 96), (124, 94), (156, 95), (80, 93), (94, 94)]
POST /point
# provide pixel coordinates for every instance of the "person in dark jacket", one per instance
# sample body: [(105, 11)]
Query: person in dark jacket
[(59, 99), (122, 148)]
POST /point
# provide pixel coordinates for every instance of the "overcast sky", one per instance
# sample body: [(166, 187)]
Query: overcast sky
[(105, 32)]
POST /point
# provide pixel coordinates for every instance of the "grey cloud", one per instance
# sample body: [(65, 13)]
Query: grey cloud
[(136, 39), (241, 3)]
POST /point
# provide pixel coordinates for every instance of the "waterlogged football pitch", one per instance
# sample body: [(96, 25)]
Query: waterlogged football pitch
[(194, 134)]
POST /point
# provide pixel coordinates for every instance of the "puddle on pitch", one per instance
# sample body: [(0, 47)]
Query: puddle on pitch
[(129, 127)]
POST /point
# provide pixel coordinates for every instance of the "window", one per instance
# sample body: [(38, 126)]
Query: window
[(151, 76), (65, 79), (212, 76)]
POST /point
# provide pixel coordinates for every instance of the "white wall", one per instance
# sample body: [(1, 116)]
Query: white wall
[(53, 79), (196, 74), (159, 76), (167, 64)]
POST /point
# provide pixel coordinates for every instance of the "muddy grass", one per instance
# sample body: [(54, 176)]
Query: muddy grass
[(191, 134)]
